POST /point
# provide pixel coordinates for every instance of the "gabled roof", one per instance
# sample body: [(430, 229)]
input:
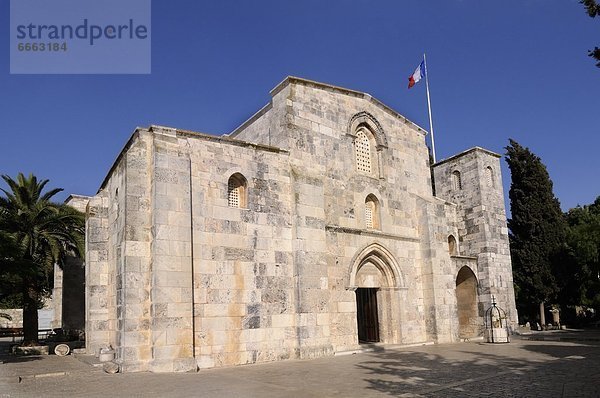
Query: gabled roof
[(346, 91), (326, 87)]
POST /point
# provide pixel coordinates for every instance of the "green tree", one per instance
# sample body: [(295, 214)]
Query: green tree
[(581, 275), (537, 231), (593, 9), (10, 292), (44, 233)]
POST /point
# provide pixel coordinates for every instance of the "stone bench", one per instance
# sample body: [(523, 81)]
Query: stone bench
[(11, 332)]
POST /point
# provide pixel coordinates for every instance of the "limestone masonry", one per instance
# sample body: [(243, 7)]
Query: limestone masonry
[(309, 230)]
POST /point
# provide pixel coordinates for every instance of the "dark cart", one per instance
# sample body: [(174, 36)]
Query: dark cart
[(61, 342)]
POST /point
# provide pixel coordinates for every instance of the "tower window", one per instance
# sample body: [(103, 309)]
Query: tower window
[(456, 180), (237, 191), (372, 212), (489, 177), (452, 249)]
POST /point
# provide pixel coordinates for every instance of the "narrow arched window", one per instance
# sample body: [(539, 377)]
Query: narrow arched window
[(489, 177), (362, 148), (237, 191), (456, 180), (452, 249), (372, 212)]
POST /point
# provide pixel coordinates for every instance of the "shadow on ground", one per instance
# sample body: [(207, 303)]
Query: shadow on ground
[(396, 373), (19, 358), (520, 369), (7, 357)]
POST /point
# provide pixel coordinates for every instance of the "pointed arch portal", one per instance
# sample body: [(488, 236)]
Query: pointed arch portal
[(376, 279)]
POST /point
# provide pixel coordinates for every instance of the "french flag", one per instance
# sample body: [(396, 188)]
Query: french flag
[(418, 75)]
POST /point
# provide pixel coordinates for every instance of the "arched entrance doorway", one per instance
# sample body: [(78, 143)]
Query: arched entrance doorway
[(466, 302), (367, 315), (369, 280), (376, 279)]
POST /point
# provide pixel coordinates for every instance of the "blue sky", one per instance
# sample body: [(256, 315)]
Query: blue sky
[(498, 70)]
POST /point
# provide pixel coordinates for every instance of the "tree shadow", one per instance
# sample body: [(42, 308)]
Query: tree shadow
[(564, 343), (561, 350), (7, 357), (476, 369), (10, 358)]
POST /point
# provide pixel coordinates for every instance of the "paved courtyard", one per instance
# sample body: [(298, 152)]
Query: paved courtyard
[(563, 365)]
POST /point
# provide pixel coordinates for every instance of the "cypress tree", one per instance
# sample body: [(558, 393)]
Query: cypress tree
[(537, 231)]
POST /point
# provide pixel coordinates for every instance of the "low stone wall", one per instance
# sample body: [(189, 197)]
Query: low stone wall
[(44, 318), (16, 320)]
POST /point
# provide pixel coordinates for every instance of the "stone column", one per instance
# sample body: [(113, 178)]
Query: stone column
[(97, 275), (133, 259), (57, 297), (310, 254), (171, 286), (438, 277)]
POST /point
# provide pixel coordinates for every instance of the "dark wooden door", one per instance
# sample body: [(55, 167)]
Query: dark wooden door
[(366, 312)]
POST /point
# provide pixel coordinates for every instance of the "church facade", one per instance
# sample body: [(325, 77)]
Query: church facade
[(310, 230)]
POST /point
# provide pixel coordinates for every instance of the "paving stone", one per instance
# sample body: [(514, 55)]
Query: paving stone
[(522, 368)]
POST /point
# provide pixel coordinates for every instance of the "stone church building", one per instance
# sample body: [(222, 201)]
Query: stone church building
[(310, 230)]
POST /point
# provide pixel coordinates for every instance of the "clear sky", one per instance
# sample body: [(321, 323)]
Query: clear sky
[(498, 70)]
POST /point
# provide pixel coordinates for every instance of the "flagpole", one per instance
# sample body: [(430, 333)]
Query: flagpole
[(429, 107)]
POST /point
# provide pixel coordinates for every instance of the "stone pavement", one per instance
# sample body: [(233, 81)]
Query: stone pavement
[(564, 364)]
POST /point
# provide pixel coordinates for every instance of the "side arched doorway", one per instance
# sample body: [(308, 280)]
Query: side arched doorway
[(377, 282), (466, 302)]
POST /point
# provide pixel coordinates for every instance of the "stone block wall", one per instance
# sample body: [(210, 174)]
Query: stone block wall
[(319, 123), (244, 276), (165, 204), (437, 221)]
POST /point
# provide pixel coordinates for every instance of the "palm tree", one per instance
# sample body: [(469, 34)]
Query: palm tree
[(45, 233)]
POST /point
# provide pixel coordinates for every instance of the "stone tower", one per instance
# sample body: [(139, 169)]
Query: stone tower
[(472, 180)]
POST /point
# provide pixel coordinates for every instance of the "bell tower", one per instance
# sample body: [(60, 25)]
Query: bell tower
[(472, 180)]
